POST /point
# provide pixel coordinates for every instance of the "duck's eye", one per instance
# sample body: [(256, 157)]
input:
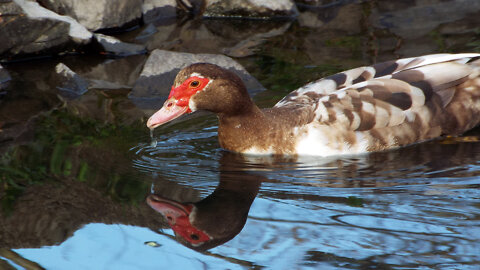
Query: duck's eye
[(194, 84), (194, 237)]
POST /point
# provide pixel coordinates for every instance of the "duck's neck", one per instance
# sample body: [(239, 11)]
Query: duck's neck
[(240, 131)]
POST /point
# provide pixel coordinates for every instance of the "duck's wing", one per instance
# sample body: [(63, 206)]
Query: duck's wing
[(385, 94)]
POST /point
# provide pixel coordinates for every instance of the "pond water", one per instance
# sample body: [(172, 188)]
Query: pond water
[(76, 171)]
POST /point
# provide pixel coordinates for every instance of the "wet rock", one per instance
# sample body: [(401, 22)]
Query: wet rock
[(116, 47), (98, 14), (154, 10), (4, 78), (160, 70), (69, 82), (250, 8), (26, 28)]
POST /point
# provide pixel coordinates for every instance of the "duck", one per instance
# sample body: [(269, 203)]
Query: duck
[(366, 109)]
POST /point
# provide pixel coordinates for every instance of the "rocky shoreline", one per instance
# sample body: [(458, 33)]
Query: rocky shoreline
[(47, 27)]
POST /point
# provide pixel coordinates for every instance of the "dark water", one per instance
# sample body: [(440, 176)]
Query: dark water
[(76, 170)]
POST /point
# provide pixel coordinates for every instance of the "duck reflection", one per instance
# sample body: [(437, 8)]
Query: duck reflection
[(217, 218), (220, 216)]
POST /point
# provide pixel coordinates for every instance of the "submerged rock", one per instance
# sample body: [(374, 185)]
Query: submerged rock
[(98, 14), (70, 82), (159, 71), (116, 47), (158, 9)]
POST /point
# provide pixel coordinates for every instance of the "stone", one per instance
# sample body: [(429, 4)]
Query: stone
[(26, 28), (70, 82), (154, 10), (160, 69), (98, 14), (250, 8), (76, 31), (116, 47)]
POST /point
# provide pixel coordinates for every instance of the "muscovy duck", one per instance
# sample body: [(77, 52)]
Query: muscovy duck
[(372, 108)]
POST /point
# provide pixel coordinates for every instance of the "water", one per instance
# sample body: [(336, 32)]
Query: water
[(76, 172)]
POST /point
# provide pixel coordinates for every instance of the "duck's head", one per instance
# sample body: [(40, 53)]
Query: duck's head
[(202, 86)]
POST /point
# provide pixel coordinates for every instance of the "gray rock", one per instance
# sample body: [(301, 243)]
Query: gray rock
[(116, 47), (70, 82), (28, 28), (156, 79), (98, 14), (250, 8), (154, 10), (34, 11)]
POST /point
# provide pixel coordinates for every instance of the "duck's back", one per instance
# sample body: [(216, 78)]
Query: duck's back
[(387, 105)]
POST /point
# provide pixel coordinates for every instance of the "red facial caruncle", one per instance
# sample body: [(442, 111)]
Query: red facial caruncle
[(187, 89), (178, 101)]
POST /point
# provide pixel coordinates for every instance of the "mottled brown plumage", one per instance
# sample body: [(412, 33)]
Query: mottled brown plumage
[(374, 108)]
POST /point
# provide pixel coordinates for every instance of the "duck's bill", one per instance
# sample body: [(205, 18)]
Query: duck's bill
[(167, 113), (168, 208)]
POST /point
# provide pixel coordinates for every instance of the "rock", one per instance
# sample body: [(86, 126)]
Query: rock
[(154, 10), (26, 28), (98, 14), (158, 73), (250, 8), (4, 78), (116, 47), (70, 82)]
